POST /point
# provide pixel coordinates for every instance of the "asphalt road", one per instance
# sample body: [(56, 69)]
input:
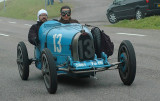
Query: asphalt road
[(108, 86)]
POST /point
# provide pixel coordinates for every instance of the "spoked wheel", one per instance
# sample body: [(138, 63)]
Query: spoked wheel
[(139, 14), (49, 71), (96, 32), (112, 18), (22, 60), (127, 68)]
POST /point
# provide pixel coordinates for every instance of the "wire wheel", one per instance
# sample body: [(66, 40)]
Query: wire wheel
[(49, 71), (46, 71), (22, 61)]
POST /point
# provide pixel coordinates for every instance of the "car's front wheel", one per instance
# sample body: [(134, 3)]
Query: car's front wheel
[(127, 68), (49, 71), (112, 17), (139, 14)]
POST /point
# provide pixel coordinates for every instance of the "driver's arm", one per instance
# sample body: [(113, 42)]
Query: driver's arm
[(33, 34)]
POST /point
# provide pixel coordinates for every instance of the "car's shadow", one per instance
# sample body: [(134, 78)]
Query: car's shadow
[(66, 80)]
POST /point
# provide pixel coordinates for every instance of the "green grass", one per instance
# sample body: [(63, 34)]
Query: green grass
[(27, 9), (152, 22)]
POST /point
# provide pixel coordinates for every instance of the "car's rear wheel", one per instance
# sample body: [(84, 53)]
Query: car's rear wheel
[(22, 60), (127, 68), (49, 71), (139, 14), (112, 17)]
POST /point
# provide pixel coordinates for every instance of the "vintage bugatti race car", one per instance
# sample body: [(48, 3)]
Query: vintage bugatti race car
[(69, 49)]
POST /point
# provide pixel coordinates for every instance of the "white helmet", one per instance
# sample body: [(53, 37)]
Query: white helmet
[(40, 12)]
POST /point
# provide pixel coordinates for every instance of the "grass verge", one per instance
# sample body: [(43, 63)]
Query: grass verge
[(152, 22), (27, 9)]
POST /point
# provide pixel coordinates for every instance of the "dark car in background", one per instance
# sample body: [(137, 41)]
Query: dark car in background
[(126, 9)]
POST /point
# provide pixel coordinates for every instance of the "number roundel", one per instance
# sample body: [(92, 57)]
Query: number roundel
[(85, 47)]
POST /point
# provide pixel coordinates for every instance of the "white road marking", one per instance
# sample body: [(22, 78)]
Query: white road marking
[(12, 22), (3, 34), (27, 24), (131, 34)]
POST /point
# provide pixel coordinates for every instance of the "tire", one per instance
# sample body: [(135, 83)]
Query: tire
[(139, 14), (126, 55), (96, 32), (49, 71), (22, 60), (112, 18)]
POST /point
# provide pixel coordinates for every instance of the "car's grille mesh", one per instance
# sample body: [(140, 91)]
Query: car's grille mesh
[(85, 47)]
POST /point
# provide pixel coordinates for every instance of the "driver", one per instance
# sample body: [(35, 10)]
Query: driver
[(66, 15), (42, 16)]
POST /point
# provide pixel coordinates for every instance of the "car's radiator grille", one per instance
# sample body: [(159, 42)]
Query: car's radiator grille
[(85, 47)]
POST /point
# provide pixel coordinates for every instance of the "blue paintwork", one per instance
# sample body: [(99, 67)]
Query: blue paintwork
[(49, 32), (122, 59), (37, 54), (96, 63)]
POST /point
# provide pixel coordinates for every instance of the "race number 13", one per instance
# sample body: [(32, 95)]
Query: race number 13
[(57, 42)]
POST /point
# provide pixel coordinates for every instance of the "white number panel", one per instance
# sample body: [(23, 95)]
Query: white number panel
[(57, 44)]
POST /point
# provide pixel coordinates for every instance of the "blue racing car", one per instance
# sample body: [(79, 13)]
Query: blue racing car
[(69, 49)]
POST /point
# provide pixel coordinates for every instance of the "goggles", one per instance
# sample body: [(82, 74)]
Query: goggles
[(63, 13)]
